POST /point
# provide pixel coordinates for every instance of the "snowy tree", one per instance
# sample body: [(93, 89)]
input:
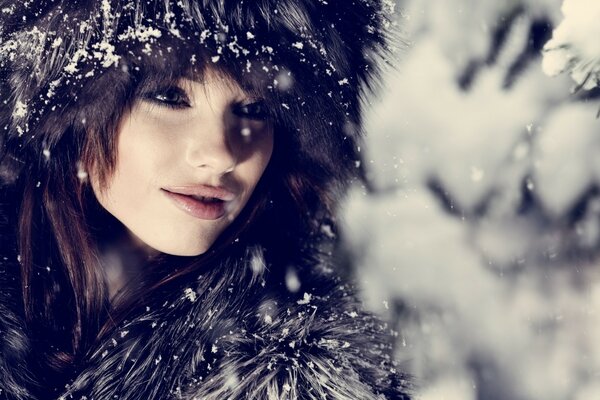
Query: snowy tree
[(479, 235)]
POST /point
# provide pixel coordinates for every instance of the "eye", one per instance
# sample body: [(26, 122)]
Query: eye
[(256, 110), (172, 97)]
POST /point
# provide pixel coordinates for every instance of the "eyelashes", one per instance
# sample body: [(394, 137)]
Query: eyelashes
[(172, 97), (256, 110), (176, 98)]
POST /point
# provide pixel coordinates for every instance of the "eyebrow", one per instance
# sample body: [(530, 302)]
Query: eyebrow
[(199, 77), (248, 91)]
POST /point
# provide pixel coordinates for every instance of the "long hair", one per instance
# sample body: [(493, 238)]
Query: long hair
[(69, 71)]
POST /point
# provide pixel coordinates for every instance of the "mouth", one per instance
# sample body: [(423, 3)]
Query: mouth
[(201, 207), (202, 192), (207, 199)]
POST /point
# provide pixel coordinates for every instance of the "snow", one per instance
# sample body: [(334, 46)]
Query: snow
[(257, 263), (190, 294), (292, 282), (57, 42), (79, 54), (574, 46), (306, 299), (106, 54), (481, 235), (284, 80), (567, 159), (20, 109), (141, 32)]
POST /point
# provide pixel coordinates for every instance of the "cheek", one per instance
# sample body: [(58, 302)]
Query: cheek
[(147, 148), (137, 158), (143, 154), (135, 164)]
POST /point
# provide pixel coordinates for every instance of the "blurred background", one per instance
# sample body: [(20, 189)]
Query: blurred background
[(479, 236)]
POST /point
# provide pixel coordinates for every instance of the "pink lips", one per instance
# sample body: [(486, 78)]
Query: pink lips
[(210, 210)]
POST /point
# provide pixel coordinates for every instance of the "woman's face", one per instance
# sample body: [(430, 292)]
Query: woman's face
[(189, 157)]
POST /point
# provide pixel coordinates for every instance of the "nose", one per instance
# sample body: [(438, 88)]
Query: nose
[(210, 147)]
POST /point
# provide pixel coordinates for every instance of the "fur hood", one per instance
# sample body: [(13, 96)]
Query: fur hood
[(238, 331), (259, 324)]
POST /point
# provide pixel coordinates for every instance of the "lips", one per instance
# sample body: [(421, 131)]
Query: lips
[(203, 202), (202, 191)]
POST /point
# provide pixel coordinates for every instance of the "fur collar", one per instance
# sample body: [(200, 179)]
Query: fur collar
[(236, 333)]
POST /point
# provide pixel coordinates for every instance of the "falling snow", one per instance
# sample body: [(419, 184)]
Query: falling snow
[(481, 230)]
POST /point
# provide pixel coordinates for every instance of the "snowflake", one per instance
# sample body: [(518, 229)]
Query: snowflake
[(57, 42), (190, 294), (20, 109), (307, 298)]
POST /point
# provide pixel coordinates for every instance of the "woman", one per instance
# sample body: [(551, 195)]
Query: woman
[(170, 173)]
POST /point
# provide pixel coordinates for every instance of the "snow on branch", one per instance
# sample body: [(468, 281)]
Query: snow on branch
[(574, 47)]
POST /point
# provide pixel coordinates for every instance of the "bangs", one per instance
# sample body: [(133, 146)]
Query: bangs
[(179, 62)]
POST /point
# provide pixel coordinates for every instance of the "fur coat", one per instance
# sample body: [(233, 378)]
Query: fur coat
[(240, 331), (247, 328)]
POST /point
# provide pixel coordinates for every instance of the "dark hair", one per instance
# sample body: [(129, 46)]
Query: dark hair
[(71, 69)]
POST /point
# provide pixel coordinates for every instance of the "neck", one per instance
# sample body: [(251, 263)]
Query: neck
[(123, 257)]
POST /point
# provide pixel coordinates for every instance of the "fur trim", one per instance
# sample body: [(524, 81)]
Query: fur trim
[(229, 335), (15, 378)]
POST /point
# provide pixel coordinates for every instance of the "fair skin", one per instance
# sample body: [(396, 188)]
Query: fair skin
[(178, 140)]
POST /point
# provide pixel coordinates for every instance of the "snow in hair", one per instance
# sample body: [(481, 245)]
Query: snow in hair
[(574, 47)]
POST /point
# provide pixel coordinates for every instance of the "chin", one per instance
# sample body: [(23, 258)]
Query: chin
[(183, 250), (167, 245)]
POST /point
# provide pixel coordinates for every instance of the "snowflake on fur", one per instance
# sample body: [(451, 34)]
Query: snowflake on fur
[(574, 47)]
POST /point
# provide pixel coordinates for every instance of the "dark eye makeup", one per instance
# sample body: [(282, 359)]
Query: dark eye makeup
[(176, 98), (171, 97), (256, 110)]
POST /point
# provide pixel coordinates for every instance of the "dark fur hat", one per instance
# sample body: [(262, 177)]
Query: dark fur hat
[(71, 66)]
